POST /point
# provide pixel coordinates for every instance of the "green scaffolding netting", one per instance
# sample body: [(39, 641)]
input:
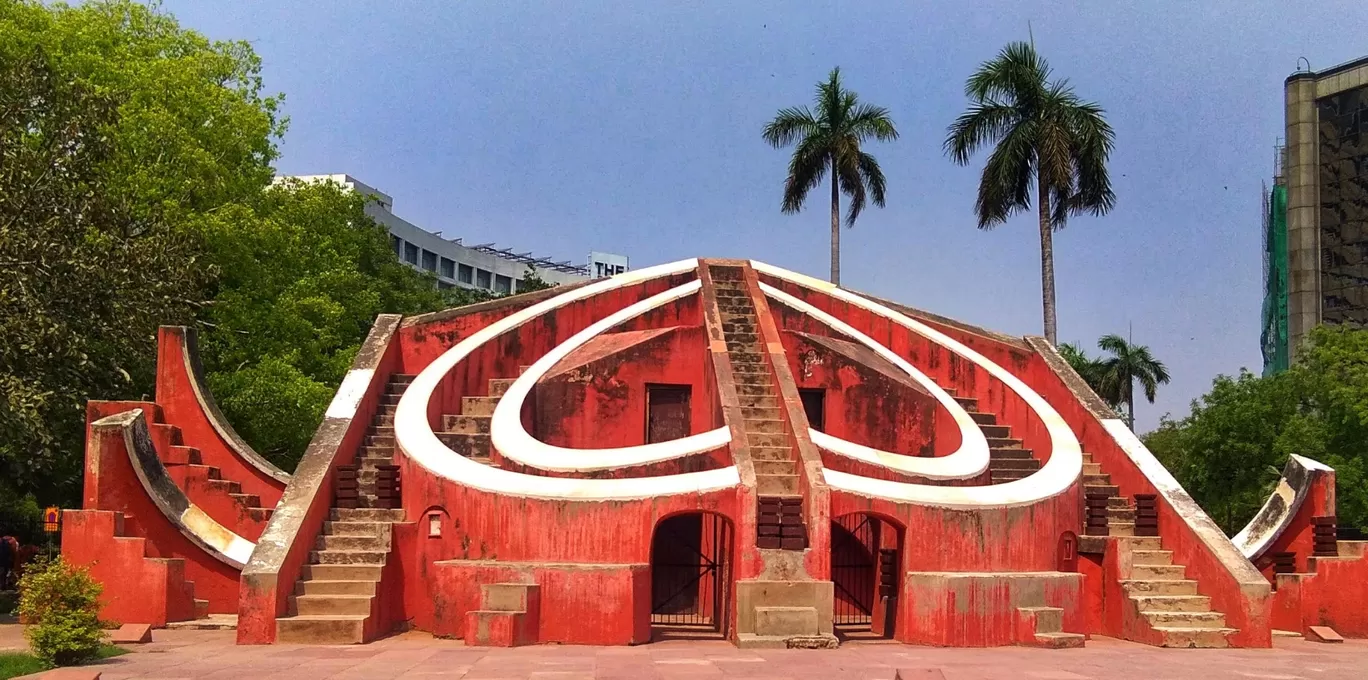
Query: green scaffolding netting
[(1275, 332)]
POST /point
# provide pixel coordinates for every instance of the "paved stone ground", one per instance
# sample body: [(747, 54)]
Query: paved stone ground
[(211, 654)]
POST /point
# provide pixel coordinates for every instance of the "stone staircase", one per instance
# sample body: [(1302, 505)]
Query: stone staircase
[(1046, 628), (468, 432), (509, 616), (205, 486), (1167, 601), (1120, 513), (1007, 460), (376, 457), (335, 599)]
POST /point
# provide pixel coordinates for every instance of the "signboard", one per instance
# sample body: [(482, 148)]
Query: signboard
[(606, 264), (52, 520)]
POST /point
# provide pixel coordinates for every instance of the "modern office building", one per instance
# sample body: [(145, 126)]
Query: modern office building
[(456, 264), (1317, 218)]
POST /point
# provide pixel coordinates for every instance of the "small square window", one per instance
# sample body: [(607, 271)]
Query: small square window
[(448, 268), (482, 278), (503, 284), (465, 273), (410, 253), (429, 260)]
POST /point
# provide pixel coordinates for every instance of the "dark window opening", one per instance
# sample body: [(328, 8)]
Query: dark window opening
[(667, 412), (814, 406)]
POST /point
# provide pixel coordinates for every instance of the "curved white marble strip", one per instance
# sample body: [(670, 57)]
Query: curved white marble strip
[(513, 441), (1059, 473), (1282, 505), (414, 434), (969, 460)]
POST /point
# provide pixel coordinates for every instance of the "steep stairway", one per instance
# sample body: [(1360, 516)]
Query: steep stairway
[(1120, 512), (376, 458), (1007, 460), (205, 486), (335, 599), (1160, 593), (467, 433)]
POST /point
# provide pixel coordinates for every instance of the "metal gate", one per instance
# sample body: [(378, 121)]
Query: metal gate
[(690, 572), (854, 568)]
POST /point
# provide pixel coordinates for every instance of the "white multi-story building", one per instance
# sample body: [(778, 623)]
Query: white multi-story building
[(454, 263)]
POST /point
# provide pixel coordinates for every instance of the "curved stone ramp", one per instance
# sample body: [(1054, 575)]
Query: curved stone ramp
[(416, 438), (1060, 472), (199, 386), (1281, 508), (192, 522), (515, 443), (969, 460)]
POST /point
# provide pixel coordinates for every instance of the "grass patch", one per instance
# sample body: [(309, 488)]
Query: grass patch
[(15, 664)]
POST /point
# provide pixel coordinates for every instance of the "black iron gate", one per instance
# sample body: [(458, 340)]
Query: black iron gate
[(854, 568), (689, 571)]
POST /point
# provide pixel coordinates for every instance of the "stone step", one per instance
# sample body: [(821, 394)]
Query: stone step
[(1002, 442), (321, 630), (776, 467), (332, 605), (1158, 572), (996, 431), (390, 398), (1152, 557), (983, 418), (183, 455), (365, 515), (249, 500), (1120, 528), (1195, 638), (755, 439), (341, 572), (969, 403), (1137, 587), (226, 486), (760, 401), (754, 389), (786, 621), (377, 440), (505, 597), (478, 406), (354, 528), (1110, 490), (759, 453), (1096, 480), (1172, 603), (499, 386), (353, 543), (765, 426), (347, 557), (761, 413), (468, 445), (356, 588), (1125, 514), (463, 424), (1145, 543), (1016, 453), (1014, 464), (1059, 640), (1118, 503), (1092, 469), (767, 485), (1047, 619)]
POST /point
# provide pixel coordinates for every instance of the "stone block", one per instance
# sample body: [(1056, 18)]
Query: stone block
[(785, 621), (131, 634), (1323, 634)]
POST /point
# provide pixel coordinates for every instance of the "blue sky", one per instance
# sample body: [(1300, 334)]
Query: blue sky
[(634, 127)]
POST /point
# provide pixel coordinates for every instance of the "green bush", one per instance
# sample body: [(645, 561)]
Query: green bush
[(62, 602)]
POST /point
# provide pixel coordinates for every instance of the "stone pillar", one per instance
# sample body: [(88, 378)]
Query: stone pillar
[(1303, 209)]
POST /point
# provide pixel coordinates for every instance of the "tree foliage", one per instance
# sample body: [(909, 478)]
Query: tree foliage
[(1231, 449), (63, 603), (1042, 134), (829, 139), (85, 277), (1127, 365)]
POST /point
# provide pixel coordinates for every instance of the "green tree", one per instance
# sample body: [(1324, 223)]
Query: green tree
[(531, 280), (1128, 364), (304, 272), (84, 280), (1043, 134), (829, 139)]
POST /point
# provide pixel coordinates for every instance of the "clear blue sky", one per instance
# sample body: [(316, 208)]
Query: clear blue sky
[(634, 127)]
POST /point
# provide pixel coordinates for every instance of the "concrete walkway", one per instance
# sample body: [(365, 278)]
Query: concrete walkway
[(212, 654)]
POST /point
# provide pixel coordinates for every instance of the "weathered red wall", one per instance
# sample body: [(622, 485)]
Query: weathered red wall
[(862, 405), (136, 589), (1298, 538), (602, 403), (983, 611), (176, 396), (1333, 595), (111, 484)]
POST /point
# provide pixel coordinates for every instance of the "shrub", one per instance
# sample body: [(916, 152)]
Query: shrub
[(62, 602)]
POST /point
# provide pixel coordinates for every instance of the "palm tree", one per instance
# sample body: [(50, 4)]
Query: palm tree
[(830, 139), (1128, 364), (1043, 133)]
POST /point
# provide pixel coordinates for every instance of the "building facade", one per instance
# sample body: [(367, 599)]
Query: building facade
[(1324, 178), (455, 264)]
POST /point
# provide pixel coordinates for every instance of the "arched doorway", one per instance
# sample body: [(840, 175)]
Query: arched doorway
[(691, 576), (865, 561)]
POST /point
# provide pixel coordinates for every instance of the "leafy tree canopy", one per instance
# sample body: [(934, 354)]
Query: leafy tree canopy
[(1231, 449)]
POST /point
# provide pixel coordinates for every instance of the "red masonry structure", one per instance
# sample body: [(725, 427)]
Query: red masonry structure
[(702, 448)]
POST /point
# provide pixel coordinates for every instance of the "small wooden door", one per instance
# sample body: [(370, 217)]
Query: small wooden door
[(814, 406), (667, 412)]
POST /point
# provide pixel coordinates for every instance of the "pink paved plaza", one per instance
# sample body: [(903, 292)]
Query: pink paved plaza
[(212, 654)]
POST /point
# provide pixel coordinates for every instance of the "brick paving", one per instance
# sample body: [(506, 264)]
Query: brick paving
[(212, 654)]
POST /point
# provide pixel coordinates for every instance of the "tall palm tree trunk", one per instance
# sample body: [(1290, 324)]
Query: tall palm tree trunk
[(1047, 282), (1130, 399), (835, 227)]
